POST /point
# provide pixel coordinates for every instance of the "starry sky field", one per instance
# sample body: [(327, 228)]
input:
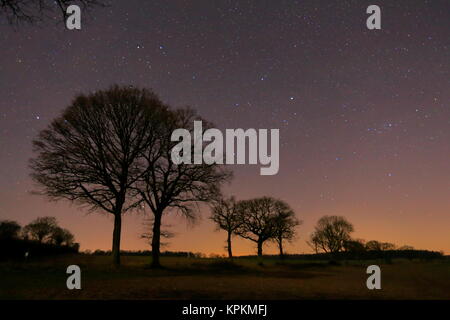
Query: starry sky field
[(364, 115)]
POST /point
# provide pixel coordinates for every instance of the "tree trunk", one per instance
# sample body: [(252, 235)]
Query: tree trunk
[(116, 238), (260, 243), (156, 240), (260, 256), (230, 253), (280, 246)]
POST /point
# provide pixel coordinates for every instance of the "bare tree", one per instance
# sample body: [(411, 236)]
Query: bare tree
[(40, 229), (91, 154), (166, 185), (331, 233), (258, 220), (32, 11), (227, 217), (285, 223)]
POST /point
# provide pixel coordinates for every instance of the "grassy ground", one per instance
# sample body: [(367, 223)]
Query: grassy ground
[(185, 278)]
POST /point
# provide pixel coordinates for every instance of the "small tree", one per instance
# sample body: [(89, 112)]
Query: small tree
[(9, 229), (331, 233), (285, 223), (226, 216), (257, 220), (40, 229)]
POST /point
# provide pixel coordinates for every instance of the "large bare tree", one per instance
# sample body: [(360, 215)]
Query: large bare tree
[(167, 186), (330, 234), (91, 153), (227, 217)]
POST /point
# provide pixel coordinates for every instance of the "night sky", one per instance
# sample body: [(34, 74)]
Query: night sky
[(364, 115)]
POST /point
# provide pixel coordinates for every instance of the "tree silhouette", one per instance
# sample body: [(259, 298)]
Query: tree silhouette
[(9, 229), (32, 11), (406, 247), (40, 229), (258, 220), (285, 222), (90, 154), (227, 217), (330, 234), (165, 185), (60, 236)]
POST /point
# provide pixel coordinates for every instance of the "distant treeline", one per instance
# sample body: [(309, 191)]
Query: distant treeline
[(146, 253), (30, 249), (41, 237), (366, 255), (346, 255)]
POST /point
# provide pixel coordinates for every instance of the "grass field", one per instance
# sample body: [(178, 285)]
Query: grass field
[(184, 278)]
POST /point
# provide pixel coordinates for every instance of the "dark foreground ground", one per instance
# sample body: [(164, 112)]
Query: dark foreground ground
[(185, 278)]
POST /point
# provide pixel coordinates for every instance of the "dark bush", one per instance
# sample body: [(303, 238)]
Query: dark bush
[(17, 249)]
